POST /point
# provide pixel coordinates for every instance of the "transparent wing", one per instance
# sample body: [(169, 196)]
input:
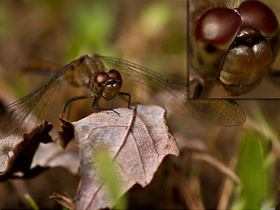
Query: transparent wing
[(147, 86), (22, 115)]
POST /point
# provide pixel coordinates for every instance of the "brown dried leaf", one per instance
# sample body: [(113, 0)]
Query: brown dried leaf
[(137, 143), (20, 158), (67, 132)]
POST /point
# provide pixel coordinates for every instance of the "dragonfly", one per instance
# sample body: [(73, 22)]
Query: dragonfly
[(234, 47), (103, 77)]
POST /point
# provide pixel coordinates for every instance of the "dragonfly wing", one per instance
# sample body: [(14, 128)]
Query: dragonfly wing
[(151, 87), (22, 115)]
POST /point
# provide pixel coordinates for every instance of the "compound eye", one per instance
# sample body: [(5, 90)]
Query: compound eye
[(218, 26), (101, 78), (115, 74), (259, 16)]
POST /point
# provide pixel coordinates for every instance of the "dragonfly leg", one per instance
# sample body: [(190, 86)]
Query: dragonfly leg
[(198, 82), (129, 99), (197, 91), (203, 89), (78, 98), (275, 73), (95, 107)]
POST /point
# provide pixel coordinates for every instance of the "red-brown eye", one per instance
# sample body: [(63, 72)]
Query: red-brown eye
[(115, 74), (218, 26), (101, 78), (258, 15)]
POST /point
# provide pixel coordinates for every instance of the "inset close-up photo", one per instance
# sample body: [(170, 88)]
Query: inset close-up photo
[(234, 49)]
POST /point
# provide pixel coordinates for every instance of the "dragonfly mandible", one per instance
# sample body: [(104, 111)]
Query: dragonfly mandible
[(234, 46), (103, 77)]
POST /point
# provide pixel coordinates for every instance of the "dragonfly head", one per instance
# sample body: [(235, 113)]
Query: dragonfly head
[(107, 84), (235, 45)]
